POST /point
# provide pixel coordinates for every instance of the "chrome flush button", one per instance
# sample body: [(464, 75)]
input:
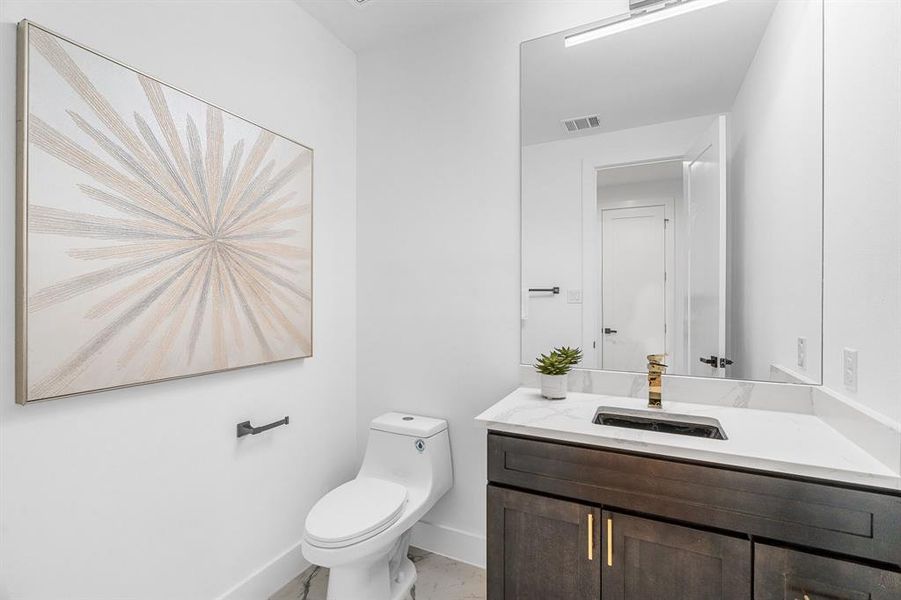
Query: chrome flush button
[(420, 445)]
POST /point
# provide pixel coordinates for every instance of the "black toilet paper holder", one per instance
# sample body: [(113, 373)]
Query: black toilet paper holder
[(246, 428)]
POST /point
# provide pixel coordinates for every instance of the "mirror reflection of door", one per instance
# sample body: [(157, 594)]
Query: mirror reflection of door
[(633, 283), (637, 207), (706, 195)]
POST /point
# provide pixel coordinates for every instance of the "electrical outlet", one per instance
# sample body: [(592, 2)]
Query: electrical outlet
[(574, 296), (849, 368), (802, 352)]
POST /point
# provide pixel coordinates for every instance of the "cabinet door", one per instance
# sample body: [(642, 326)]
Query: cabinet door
[(651, 560), (541, 548), (781, 574)]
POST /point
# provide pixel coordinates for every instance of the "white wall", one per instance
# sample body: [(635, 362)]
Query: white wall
[(552, 216), (438, 232), (775, 200), (862, 295), (145, 492)]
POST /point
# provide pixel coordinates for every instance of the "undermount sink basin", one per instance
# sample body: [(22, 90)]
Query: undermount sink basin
[(646, 420)]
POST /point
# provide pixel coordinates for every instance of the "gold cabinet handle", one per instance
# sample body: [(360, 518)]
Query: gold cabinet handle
[(609, 542), (590, 536)]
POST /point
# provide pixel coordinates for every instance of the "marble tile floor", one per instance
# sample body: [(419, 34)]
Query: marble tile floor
[(438, 578)]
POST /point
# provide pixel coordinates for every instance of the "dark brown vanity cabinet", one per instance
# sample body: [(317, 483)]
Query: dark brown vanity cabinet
[(646, 559), (546, 546), (780, 573), (567, 521)]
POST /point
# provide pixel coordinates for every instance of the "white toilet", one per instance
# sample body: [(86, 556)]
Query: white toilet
[(361, 530)]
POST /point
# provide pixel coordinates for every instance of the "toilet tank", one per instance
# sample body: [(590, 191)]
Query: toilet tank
[(411, 450)]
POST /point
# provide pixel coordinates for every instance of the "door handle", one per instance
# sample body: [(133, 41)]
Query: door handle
[(716, 362), (607, 330), (590, 536), (609, 542)]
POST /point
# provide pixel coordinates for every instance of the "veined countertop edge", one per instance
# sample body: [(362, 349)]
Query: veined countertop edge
[(783, 443)]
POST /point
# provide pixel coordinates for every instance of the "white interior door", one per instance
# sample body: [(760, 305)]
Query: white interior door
[(706, 194), (633, 286)]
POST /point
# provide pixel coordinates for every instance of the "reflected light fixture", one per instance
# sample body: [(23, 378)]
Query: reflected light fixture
[(652, 13)]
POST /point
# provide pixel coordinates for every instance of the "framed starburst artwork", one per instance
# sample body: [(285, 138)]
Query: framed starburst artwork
[(158, 236)]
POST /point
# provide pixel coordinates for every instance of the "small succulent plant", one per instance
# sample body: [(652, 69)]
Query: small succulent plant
[(552, 364), (559, 361), (571, 355)]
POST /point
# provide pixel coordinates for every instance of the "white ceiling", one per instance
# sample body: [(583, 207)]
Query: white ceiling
[(365, 25), (689, 65)]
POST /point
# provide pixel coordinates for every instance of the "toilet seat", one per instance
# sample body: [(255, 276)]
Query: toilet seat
[(355, 511)]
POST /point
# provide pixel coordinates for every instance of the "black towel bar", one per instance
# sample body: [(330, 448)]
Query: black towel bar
[(553, 290)]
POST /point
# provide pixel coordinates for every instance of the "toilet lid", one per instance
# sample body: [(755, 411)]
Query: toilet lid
[(355, 511)]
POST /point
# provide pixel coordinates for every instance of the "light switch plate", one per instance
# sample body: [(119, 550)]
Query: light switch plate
[(849, 368), (574, 296), (802, 352)]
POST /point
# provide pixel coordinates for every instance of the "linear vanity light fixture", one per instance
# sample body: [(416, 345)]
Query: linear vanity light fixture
[(645, 14)]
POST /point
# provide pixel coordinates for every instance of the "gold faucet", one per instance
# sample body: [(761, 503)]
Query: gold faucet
[(656, 369)]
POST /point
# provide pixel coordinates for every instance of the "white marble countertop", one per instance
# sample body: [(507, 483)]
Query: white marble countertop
[(783, 442)]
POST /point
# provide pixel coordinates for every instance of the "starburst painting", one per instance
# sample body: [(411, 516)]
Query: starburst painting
[(159, 236)]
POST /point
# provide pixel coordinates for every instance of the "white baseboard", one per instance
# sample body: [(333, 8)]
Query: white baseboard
[(463, 546), (456, 544), (269, 578)]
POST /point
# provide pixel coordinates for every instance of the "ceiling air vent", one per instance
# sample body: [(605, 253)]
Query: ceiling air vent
[(581, 123)]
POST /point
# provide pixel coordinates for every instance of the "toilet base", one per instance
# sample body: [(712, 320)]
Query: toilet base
[(371, 582), (406, 577), (388, 578)]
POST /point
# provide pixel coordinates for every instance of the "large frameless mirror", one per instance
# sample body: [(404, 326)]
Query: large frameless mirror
[(672, 188)]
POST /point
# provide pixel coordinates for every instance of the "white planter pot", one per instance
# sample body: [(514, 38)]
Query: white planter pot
[(553, 387)]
